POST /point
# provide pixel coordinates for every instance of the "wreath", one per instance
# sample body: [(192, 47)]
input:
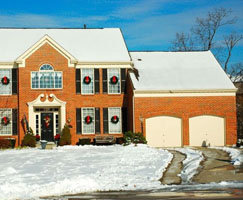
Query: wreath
[(87, 80), (5, 121), (47, 120), (114, 80), (5, 80), (115, 119), (88, 119)]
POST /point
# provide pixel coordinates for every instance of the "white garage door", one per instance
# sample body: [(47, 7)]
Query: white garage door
[(163, 131), (207, 130)]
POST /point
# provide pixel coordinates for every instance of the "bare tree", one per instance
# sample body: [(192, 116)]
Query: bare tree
[(206, 28), (236, 73), (202, 34), (183, 42), (230, 41)]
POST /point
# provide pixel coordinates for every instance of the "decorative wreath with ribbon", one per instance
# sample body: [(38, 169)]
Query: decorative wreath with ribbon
[(5, 121), (114, 80), (47, 121), (114, 119), (88, 119), (5, 80), (87, 80)]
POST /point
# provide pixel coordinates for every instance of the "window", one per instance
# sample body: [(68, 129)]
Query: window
[(87, 81), (114, 81), (46, 77), (114, 118), (5, 81), (88, 120), (6, 122)]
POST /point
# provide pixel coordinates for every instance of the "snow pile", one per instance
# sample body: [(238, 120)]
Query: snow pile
[(32, 173), (190, 164), (235, 154)]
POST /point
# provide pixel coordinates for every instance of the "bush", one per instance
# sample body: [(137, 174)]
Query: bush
[(65, 138), (136, 138), (84, 141), (120, 140), (29, 139), (5, 144)]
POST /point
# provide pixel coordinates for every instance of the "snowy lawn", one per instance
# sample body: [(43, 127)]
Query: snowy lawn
[(235, 154), (31, 173), (190, 164)]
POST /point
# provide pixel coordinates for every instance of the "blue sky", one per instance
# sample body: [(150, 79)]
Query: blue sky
[(146, 24)]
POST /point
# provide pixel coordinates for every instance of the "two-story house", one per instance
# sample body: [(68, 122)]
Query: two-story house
[(88, 79)]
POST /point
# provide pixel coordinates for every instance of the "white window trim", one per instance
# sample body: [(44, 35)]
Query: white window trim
[(83, 83), (39, 80), (83, 123), (120, 121), (108, 81), (11, 122), (10, 82)]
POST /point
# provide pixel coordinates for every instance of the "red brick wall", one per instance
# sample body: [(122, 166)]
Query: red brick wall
[(47, 54), (186, 107)]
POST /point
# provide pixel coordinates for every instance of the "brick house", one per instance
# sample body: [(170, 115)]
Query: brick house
[(88, 79)]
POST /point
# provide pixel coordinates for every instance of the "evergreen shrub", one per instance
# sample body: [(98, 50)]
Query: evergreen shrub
[(65, 138), (29, 139), (136, 138)]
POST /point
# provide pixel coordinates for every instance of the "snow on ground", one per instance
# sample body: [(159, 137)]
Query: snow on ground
[(235, 154), (190, 164), (32, 173)]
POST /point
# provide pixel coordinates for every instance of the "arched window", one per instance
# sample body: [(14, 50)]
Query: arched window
[(46, 77)]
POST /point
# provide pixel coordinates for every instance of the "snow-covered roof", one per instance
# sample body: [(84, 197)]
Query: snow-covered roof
[(86, 45), (178, 71)]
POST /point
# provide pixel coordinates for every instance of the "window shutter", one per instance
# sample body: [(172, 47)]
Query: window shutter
[(97, 120), (105, 120), (14, 81), (14, 121), (97, 81), (78, 121), (124, 119), (104, 74), (78, 81), (123, 80)]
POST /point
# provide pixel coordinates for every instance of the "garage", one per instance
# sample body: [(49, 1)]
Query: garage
[(164, 131), (206, 129)]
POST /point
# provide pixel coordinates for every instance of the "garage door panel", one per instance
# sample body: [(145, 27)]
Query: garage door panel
[(206, 129), (163, 131)]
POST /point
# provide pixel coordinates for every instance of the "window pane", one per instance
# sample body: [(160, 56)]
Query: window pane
[(46, 67), (35, 79), (46, 79), (114, 127), (88, 128), (114, 88), (58, 79), (87, 88), (6, 129), (5, 88)]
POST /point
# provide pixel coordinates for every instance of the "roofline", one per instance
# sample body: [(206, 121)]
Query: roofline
[(125, 44), (137, 91), (157, 51)]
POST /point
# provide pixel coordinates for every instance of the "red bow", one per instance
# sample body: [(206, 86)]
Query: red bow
[(5, 80), (5, 120)]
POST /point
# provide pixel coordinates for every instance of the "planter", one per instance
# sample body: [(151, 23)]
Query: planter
[(43, 144), (12, 141)]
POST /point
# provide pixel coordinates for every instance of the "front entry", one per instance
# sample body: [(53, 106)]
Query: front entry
[(47, 127)]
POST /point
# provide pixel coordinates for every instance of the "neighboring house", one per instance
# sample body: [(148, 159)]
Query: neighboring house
[(88, 79)]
